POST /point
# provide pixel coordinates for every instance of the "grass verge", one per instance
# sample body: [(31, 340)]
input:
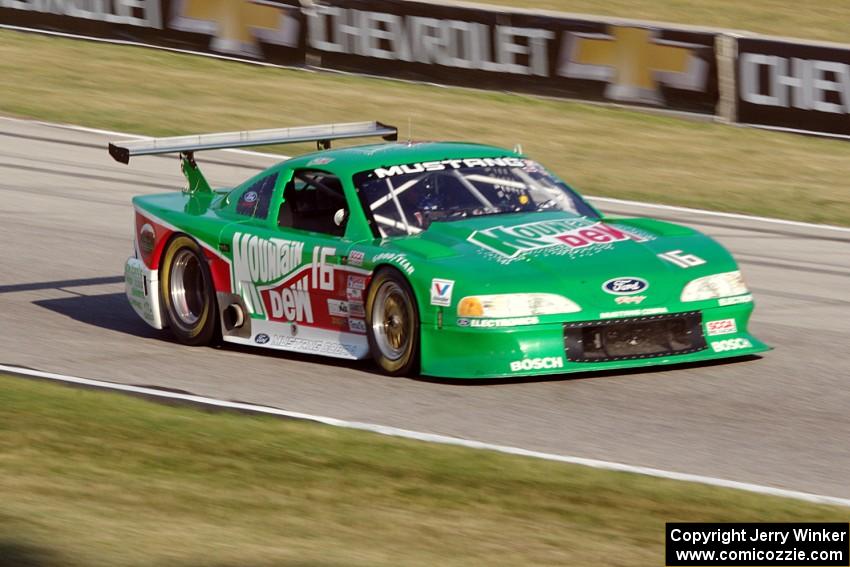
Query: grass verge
[(94, 478), (816, 19), (600, 150)]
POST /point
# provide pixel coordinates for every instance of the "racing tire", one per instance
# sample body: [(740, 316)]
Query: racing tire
[(392, 324), (187, 292)]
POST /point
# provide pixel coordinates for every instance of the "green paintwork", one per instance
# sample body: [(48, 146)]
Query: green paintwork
[(445, 251), (197, 182)]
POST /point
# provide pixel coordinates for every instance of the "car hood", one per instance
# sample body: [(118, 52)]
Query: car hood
[(569, 255)]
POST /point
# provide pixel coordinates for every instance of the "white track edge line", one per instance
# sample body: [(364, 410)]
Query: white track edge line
[(612, 201), (436, 438)]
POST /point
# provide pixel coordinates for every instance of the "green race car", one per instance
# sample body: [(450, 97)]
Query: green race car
[(450, 259)]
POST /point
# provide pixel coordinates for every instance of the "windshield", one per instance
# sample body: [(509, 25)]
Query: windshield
[(406, 199)]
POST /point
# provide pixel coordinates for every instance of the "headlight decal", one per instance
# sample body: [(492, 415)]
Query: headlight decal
[(727, 284), (515, 305)]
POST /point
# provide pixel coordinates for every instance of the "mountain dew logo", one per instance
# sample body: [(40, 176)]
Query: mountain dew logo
[(259, 261), (511, 241)]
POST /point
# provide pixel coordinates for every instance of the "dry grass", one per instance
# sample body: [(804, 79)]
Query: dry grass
[(91, 479), (600, 150), (816, 19)]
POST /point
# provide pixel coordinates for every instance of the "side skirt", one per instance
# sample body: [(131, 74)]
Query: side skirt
[(300, 338)]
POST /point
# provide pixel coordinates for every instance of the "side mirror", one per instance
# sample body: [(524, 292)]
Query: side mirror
[(340, 216)]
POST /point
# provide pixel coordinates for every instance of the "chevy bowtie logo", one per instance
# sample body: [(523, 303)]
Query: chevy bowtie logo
[(237, 25), (634, 62)]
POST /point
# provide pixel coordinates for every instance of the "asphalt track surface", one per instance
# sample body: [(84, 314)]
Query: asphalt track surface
[(781, 420)]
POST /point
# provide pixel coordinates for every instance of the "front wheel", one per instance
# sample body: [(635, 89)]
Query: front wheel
[(392, 322), (188, 295)]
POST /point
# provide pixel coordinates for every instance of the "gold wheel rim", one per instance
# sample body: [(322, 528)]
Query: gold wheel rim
[(392, 321)]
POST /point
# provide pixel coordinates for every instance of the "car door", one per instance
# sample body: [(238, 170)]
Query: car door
[(286, 266)]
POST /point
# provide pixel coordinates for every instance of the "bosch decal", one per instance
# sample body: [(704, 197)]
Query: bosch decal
[(731, 344), (546, 363)]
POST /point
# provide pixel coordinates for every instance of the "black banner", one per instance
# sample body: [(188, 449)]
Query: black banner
[(801, 544), (270, 31), (488, 48), (793, 85), (522, 52)]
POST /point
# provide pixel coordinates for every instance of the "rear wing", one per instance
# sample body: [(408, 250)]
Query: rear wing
[(322, 135)]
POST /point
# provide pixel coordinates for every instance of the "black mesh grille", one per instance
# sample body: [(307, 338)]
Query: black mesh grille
[(639, 337)]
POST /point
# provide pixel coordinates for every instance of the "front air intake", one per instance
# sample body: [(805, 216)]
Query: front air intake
[(634, 338)]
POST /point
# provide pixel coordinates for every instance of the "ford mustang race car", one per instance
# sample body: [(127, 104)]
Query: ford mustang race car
[(450, 259)]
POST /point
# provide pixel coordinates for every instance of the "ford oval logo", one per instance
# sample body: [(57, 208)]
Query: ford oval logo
[(625, 286), (262, 339)]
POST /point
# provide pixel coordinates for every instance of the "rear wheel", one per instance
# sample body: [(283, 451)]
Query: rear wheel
[(392, 322), (187, 292)]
